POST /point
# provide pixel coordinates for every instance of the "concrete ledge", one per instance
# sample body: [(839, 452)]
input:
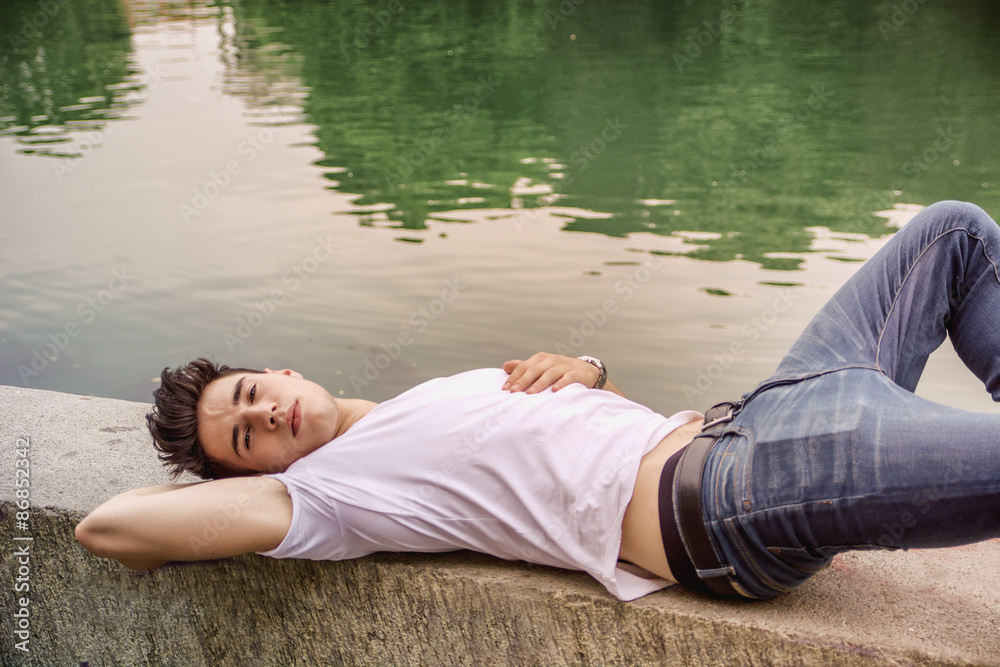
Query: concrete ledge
[(915, 608)]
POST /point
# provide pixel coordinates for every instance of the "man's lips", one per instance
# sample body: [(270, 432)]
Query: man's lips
[(294, 418)]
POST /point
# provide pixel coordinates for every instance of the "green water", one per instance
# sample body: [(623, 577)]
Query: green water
[(793, 116), (541, 151)]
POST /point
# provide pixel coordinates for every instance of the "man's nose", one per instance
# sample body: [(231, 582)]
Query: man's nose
[(265, 415)]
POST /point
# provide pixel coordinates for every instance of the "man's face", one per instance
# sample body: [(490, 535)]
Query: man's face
[(262, 422)]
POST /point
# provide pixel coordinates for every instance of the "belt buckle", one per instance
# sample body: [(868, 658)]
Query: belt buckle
[(712, 418)]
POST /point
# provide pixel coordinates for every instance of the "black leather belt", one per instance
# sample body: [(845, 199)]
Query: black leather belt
[(696, 565)]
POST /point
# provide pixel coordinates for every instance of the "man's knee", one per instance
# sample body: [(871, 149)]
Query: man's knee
[(963, 215)]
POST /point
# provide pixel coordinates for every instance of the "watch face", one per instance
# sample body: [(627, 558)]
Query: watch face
[(594, 361)]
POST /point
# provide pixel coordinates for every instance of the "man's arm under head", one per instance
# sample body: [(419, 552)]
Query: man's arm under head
[(148, 527)]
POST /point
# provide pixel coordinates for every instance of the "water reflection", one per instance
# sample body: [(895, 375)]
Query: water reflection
[(265, 74), (541, 158), (753, 124), (790, 117), (65, 73)]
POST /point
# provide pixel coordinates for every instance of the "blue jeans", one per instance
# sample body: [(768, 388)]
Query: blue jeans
[(834, 452)]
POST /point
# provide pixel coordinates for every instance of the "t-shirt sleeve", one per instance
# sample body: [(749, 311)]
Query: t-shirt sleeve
[(315, 531)]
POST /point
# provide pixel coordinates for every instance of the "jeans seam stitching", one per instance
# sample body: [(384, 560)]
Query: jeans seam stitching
[(747, 558), (892, 308), (735, 538), (805, 503)]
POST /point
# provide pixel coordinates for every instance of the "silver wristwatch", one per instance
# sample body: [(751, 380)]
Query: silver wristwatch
[(597, 363)]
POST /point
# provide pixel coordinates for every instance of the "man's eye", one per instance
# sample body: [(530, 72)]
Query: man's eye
[(252, 392), (246, 439)]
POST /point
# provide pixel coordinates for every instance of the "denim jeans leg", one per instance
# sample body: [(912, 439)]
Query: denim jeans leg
[(834, 452), (939, 275), (842, 461)]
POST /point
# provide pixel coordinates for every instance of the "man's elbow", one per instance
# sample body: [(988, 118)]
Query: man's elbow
[(96, 534), (89, 534)]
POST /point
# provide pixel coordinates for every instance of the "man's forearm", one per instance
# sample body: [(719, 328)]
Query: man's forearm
[(146, 528)]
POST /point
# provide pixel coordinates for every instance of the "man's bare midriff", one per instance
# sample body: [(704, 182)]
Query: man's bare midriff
[(642, 544)]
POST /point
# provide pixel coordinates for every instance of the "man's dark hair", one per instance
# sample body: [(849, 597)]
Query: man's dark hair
[(173, 421)]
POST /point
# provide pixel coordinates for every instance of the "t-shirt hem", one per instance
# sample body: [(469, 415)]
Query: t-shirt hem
[(620, 582)]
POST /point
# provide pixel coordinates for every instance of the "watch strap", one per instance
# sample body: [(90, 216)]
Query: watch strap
[(599, 365)]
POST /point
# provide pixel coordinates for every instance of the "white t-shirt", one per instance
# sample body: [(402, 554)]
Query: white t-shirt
[(458, 463)]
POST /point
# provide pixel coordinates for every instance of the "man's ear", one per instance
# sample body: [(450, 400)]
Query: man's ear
[(285, 371)]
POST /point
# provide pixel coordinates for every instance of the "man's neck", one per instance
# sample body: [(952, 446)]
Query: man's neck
[(350, 411)]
